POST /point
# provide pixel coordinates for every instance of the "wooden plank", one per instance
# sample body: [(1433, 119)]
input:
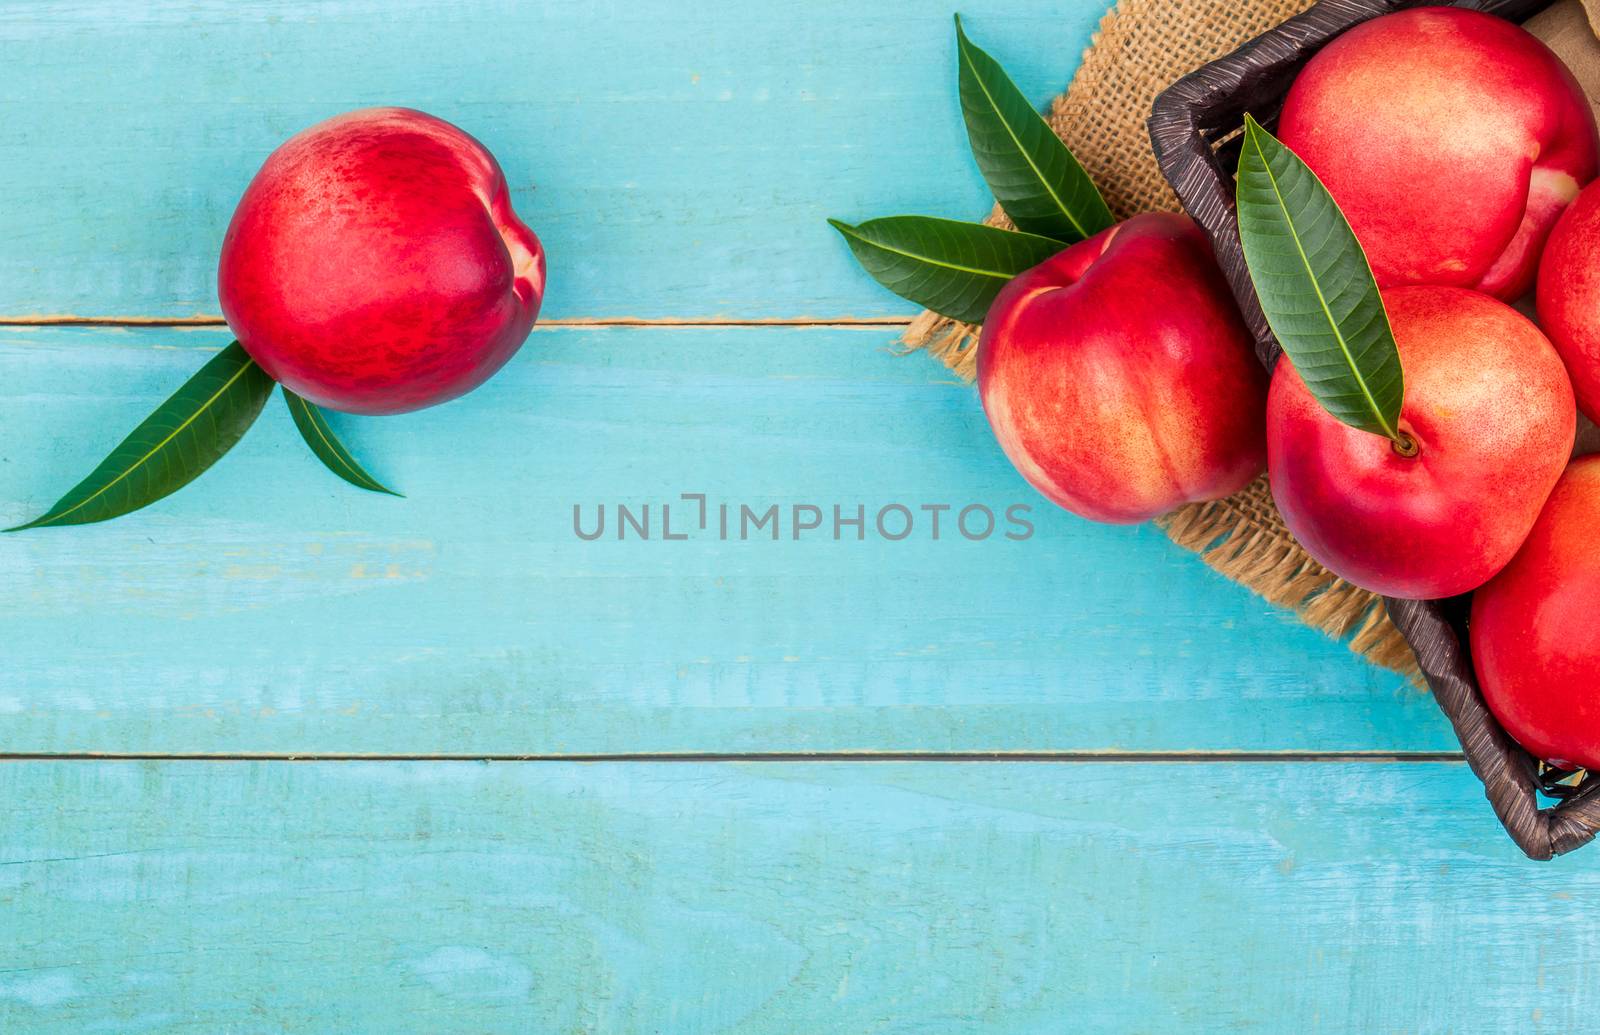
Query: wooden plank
[(705, 898), (271, 608), (685, 156)]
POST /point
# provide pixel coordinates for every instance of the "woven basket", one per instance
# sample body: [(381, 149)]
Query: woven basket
[(1194, 127)]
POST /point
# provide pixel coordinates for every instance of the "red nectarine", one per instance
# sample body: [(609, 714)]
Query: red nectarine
[(1488, 409), (374, 264), (1535, 638), (1569, 295), (1451, 139), (1119, 377)]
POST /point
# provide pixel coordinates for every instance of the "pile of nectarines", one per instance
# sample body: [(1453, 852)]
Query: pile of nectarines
[(1121, 381)]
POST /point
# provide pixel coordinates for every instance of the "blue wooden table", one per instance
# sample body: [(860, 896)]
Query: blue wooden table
[(283, 756)]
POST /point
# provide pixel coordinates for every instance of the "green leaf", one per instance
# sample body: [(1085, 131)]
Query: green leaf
[(319, 436), (1035, 178), (1316, 288), (951, 267), (184, 436)]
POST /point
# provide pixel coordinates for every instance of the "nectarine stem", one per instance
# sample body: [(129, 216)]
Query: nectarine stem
[(1406, 446)]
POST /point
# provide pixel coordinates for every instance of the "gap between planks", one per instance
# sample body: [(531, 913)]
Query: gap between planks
[(785, 757)]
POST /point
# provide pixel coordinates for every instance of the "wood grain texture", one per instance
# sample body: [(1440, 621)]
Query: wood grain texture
[(698, 899), (684, 157), (677, 159), (271, 608)]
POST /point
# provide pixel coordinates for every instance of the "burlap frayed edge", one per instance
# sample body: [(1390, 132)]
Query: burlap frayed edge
[(1242, 537), (1230, 536)]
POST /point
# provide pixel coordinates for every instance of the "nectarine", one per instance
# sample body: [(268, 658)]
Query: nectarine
[(1569, 295), (1119, 377), (1450, 138), (374, 264), (1488, 416), (1535, 637)]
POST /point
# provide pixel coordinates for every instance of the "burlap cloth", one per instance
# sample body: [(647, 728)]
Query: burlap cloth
[(1141, 48)]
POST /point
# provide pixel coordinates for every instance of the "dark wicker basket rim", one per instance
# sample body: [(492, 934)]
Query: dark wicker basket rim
[(1189, 127)]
